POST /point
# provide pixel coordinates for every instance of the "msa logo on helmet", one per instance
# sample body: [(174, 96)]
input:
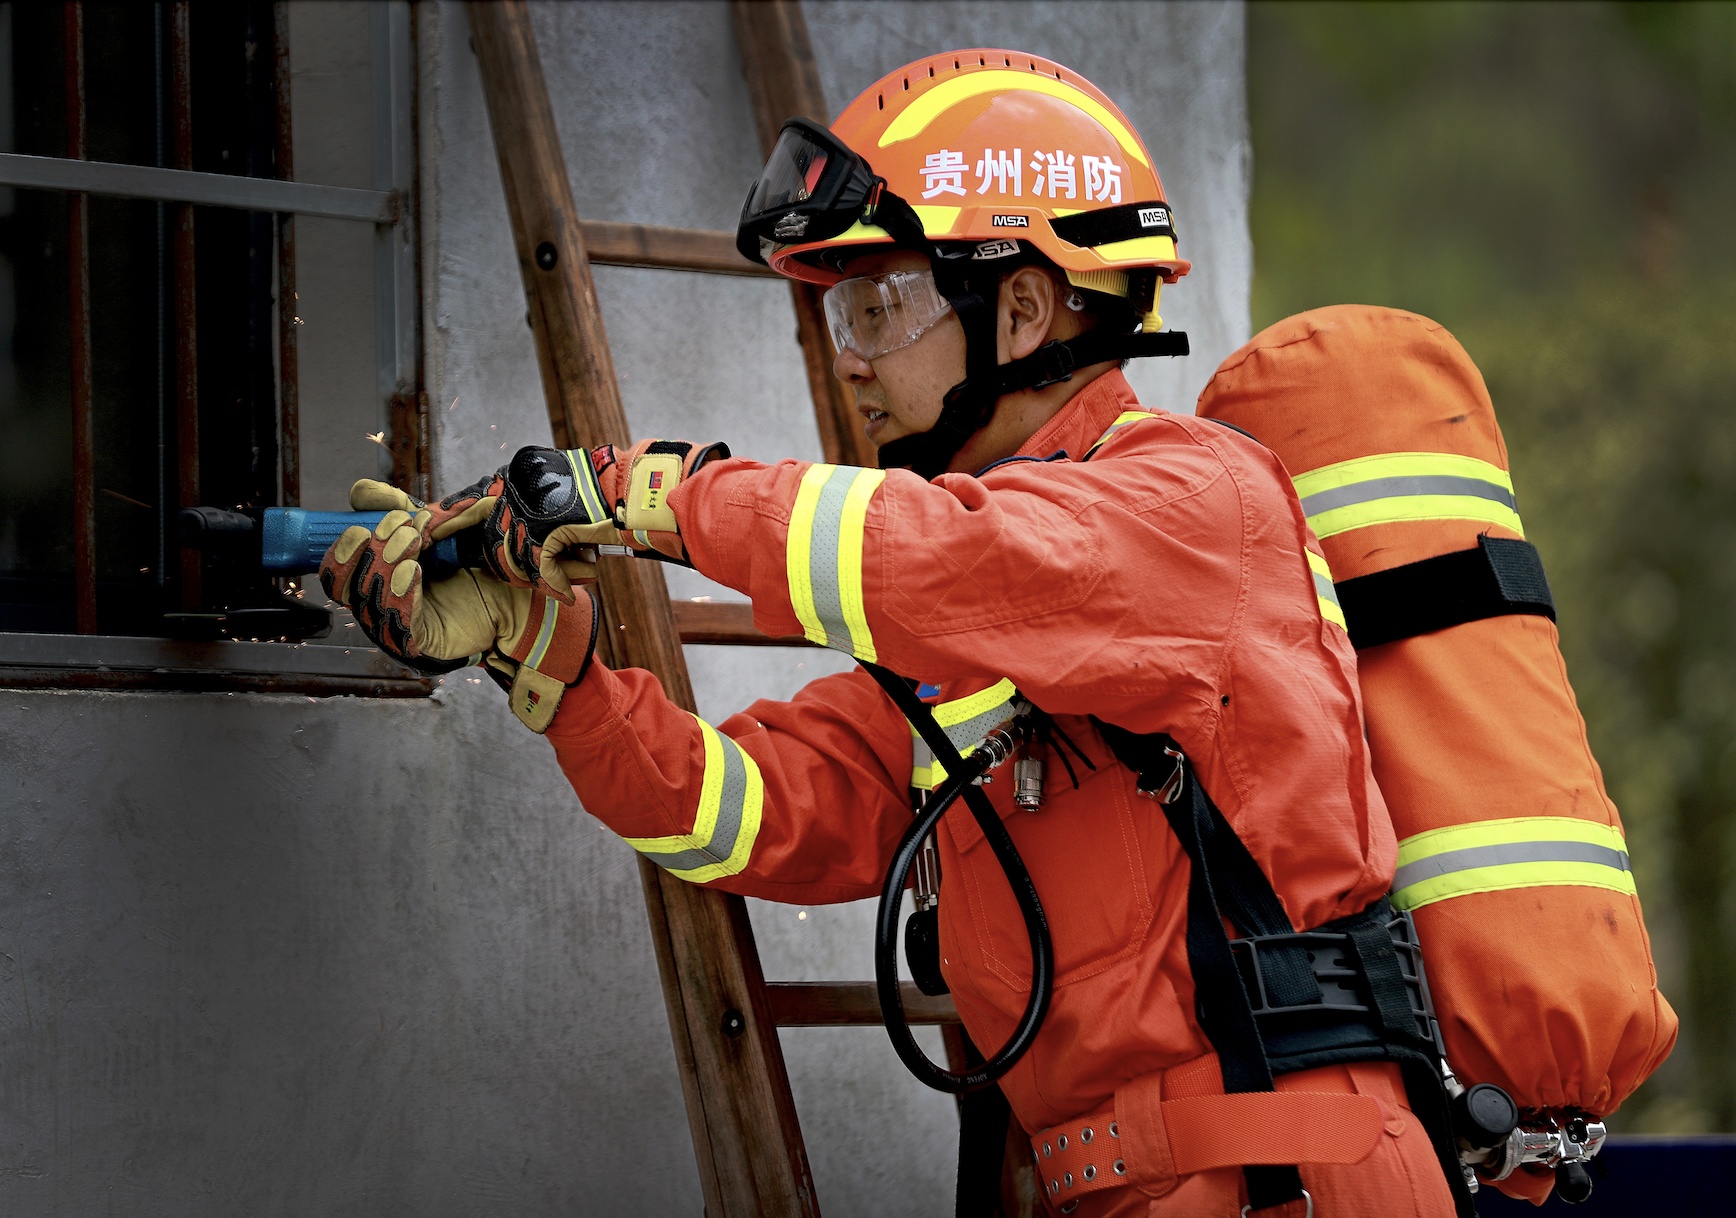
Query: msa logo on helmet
[(1153, 217), (988, 250), (791, 225), (1011, 221)]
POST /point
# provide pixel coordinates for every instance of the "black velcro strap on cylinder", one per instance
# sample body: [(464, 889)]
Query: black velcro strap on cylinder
[(1122, 223), (1500, 576)]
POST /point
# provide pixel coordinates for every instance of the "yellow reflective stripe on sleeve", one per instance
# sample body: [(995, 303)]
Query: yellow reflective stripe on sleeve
[(1517, 852), (965, 721), (823, 557), (1121, 420), (1325, 591), (796, 551), (852, 528), (1406, 486), (727, 822), (925, 772)]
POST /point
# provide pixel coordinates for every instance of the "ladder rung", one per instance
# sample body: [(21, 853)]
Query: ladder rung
[(848, 1004), (729, 622), (680, 249)]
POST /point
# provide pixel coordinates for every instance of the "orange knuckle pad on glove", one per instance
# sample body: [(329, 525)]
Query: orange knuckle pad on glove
[(376, 575)]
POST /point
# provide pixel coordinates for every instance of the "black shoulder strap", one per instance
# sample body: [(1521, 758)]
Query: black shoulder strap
[(1223, 1007), (1500, 576), (983, 1117)]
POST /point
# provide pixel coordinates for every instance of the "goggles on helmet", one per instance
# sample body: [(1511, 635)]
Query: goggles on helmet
[(812, 188), (876, 314)]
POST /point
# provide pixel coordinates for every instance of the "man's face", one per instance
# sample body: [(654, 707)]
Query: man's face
[(900, 393)]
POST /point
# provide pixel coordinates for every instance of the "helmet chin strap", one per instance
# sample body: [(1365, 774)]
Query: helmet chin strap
[(973, 290), (970, 404)]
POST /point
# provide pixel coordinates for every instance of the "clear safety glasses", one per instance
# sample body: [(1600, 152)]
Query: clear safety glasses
[(880, 313)]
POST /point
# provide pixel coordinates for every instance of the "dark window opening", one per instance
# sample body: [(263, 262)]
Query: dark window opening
[(145, 314)]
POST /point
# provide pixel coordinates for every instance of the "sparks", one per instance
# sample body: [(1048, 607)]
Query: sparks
[(378, 437)]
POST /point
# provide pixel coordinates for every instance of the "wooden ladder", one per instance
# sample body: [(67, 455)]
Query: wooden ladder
[(723, 1014)]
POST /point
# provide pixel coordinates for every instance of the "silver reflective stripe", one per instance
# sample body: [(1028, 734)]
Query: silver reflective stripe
[(1324, 588), (921, 756), (967, 735), (823, 554), (1472, 857), (1405, 485), (723, 837)]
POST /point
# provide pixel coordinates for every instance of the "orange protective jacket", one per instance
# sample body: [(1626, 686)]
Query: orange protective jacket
[(1161, 585)]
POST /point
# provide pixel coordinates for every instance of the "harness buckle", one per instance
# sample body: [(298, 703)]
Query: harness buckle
[(1166, 792)]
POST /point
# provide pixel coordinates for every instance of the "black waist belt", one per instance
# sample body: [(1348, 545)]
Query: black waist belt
[(1500, 576)]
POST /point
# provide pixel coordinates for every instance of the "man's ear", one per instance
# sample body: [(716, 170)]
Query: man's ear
[(1028, 302)]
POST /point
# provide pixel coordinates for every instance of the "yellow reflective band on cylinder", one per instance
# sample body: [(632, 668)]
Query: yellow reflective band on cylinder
[(1406, 486), (1325, 591), (731, 800), (823, 557), (1121, 420), (1518, 852)]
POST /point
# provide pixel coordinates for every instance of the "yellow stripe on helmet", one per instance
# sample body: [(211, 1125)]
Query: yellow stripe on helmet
[(932, 104)]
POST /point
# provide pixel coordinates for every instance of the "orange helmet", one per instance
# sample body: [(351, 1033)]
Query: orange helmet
[(991, 145), (974, 157)]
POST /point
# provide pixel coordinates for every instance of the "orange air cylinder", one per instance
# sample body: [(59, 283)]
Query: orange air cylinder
[(1511, 855)]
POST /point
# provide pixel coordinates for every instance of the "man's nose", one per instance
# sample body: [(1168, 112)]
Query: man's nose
[(851, 368)]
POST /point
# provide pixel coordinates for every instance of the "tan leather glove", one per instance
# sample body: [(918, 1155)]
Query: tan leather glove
[(534, 646)]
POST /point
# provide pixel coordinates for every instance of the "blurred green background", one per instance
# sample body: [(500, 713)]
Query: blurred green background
[(1556, 183)]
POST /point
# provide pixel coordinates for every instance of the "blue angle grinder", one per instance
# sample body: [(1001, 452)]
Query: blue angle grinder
[(291, 541)]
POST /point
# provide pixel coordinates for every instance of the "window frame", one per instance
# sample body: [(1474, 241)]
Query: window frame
[(91, 660)]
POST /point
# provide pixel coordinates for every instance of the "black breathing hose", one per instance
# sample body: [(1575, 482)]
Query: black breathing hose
[(961, 780)]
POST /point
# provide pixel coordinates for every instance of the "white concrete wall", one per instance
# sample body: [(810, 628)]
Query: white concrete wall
[(276, 955)]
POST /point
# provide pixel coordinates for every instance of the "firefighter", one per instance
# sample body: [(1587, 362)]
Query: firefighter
[(993, 239)]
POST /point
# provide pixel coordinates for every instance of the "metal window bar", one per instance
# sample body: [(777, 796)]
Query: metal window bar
[(288, 314), (183, 292), (78, 293)]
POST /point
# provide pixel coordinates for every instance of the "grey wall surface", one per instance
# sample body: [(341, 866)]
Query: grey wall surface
[(277, 955)]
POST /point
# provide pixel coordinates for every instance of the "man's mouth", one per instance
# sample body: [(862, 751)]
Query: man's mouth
[(876, 421)]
